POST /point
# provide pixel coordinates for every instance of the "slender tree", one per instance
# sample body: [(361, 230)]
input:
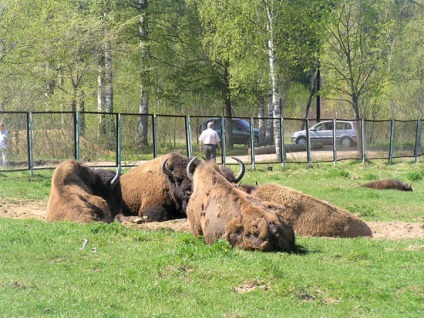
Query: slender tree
[(357, 43)]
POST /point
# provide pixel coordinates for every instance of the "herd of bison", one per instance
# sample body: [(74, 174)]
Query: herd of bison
[(210, 197)]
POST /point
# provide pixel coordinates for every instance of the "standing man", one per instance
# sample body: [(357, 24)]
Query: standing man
[(210, 141), (4, 136)]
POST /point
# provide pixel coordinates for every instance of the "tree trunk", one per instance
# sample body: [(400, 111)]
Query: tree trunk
[(228, 111), (269, 134), (143, 128), (101, 101), (108, 77), (355, 104), (110, 124), (262, 121), (275, 85), (81, 108), (275, 97)]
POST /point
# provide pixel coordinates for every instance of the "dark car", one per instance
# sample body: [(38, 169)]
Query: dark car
[(241, 130)]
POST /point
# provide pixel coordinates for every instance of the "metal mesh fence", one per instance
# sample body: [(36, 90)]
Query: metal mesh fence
[(44, 139)]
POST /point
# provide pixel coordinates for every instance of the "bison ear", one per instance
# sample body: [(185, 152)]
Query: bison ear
[(115, 179), (165, 170)]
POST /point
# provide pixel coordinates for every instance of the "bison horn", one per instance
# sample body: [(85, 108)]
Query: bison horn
[(242, 170), (189, 174), (166, 170), (115, 179)]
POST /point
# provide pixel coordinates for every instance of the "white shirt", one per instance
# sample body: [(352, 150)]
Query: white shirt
[(209, 136), (3, 138)]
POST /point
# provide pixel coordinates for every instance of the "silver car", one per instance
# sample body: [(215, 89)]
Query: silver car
[(346, 134)]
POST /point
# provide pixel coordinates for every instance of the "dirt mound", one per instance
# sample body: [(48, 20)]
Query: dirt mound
[(36, 209)]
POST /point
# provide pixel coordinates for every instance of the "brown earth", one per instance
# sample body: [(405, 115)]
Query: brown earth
[(36, 209)]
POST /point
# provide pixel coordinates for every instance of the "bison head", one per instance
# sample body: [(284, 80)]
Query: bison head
[(227, 173), (180, 186), (106, 184)]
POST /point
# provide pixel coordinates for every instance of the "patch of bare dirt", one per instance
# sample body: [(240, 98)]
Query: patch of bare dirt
[(36, 209)]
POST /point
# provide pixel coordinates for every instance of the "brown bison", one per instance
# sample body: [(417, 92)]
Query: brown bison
[(388, 184), (310, 216), (218, 209), (159, 189), (82, 194)]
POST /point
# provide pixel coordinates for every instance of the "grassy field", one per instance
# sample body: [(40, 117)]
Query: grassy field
[(125, 272)]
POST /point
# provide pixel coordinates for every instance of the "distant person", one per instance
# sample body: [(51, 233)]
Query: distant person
[(4, 136), (210, 141)]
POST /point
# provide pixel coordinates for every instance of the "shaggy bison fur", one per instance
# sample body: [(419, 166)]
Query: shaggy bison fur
[(157, 190), (310, 216), (83, 194), (388, 184), (219, 210)]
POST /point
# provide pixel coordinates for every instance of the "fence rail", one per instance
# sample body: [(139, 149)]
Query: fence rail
[(41, 140)]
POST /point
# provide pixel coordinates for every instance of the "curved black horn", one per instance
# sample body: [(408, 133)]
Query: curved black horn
[(189, 174), (242, 170), (115, 179), (166, 170)]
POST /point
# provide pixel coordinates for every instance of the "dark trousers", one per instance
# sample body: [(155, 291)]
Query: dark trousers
[(210, 152)]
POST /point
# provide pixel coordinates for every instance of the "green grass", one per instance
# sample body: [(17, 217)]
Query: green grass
[(133, 273)]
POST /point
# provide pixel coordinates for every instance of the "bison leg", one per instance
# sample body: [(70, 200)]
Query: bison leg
[(155, 214), (129, 219)]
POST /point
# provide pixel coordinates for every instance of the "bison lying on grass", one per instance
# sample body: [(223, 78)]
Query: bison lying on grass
[(157, 190), (388, 184), (219, 210), (82, 194), (310, 216)]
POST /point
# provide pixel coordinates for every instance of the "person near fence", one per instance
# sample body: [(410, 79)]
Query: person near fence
[(4, 136), (209, 142)]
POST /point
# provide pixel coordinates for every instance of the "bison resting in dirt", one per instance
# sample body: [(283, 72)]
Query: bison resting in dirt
[(83, 194), (219, 210), (388, 184), (158, 189), (310, 216)]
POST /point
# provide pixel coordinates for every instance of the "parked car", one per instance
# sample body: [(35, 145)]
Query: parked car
[(346, 134), (241, 130)]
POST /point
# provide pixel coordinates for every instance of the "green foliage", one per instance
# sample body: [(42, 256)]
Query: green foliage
[(52, 51)]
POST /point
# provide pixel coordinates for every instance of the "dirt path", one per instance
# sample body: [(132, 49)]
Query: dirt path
[(36, 209)]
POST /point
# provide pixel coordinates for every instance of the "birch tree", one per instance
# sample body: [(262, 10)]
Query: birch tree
[(357, 43), (142, 7)]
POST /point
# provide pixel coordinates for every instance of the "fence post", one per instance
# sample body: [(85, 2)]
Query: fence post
[(223, 144), (392, 136), (334, 142), (118, 142), (188, 137), (417, 139), (30, 144), (283, 144), (155, 136), (308, 143), (363, 140), (252, 144)]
